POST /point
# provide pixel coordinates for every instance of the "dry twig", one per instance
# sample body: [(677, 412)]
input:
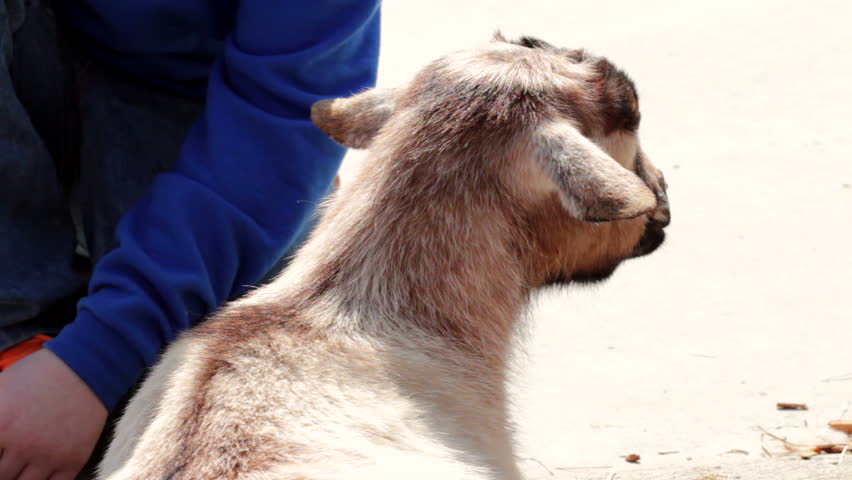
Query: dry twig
[(530, 459), (805, 451), (780, 439), (838, 378)]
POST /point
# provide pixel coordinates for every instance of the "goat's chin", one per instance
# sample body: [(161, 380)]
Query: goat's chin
[(651, 240), (597, 276), (583, 278)]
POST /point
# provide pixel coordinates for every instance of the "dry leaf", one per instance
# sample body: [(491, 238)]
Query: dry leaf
[(633, 458), (843, 424), (829, 448), (791, 406)]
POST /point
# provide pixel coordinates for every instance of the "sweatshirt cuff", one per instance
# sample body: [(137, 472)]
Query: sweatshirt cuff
[(105, 361)]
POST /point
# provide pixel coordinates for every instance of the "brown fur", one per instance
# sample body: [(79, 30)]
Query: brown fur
[(393, 324)]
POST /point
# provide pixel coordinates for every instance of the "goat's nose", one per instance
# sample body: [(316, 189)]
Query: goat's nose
[(662, 215)]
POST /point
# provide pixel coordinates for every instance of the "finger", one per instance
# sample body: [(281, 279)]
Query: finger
[(69, 475), (62, 476), (33, 472), (10, 465)]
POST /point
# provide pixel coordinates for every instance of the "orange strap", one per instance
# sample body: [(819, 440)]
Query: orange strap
[(21, 350)]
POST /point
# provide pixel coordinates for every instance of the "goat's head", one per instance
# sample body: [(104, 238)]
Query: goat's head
[(539, 137)]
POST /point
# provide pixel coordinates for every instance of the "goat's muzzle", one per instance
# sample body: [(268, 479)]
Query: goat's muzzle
[(654, 230)]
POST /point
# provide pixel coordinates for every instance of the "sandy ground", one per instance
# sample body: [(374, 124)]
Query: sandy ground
[(746, 107)]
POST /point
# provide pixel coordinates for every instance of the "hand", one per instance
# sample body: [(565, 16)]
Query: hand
[(50, 420)]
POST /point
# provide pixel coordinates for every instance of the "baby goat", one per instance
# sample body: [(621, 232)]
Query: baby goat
[(381, 352)]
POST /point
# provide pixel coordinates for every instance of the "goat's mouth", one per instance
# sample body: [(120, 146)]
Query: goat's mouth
[(651, 240)]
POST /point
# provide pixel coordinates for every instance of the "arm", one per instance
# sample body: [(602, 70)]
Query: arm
[(248, 177)]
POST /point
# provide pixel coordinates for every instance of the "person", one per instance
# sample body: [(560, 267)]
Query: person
[(169, 145)]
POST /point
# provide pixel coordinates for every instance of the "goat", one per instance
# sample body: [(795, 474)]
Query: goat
[(381, 351)]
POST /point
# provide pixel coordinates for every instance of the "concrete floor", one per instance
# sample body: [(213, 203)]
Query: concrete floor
[(746, 108)]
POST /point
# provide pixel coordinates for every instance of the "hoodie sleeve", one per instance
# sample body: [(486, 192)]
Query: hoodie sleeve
[(248, 177)]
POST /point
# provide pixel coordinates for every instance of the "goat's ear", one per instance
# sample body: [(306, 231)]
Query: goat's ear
[(354, 121), (592, 185)]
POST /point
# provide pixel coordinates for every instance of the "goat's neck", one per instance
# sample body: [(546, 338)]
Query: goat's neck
[(440, 264)]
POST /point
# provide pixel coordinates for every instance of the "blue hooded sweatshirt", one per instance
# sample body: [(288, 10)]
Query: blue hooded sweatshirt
[(248, 176)]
